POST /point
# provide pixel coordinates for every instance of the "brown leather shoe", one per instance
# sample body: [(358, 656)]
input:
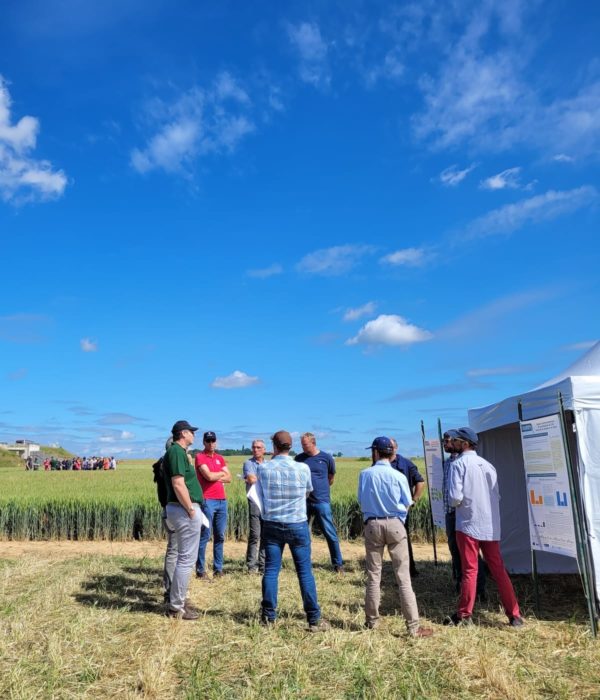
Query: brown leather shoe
[(184, 614), (423, 632)]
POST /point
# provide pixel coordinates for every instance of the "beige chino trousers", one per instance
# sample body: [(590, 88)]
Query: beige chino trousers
[(378, 535)]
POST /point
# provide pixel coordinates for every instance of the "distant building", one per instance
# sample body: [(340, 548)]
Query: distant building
[(24, 448)]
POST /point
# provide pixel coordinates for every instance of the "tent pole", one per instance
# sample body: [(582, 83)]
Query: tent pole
[(580, 537), (435, 561), (534, 571)]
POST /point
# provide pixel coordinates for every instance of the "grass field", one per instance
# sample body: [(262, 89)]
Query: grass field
[(78, 623), (122, 505)]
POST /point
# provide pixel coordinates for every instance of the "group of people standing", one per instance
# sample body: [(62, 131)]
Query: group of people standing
[(284, 493), (52, 464)]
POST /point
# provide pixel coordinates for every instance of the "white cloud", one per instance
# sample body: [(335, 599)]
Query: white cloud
[(543, 207), (392, 68), (264, 272), (127, 435), (235, 380), (389, 330), (196, 123), (360, 311), (312, 50), (507, 179), (407, 256), (337, 260), (22, 177), (563, 158), (88, 345), (452, 176)]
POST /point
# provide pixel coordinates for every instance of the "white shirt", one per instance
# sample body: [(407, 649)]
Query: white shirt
[(473, 491)]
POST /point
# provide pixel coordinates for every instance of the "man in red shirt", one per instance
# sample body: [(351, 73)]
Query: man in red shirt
[(212, 472)]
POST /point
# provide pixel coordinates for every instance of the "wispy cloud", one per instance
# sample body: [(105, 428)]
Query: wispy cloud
[(507, 179), (312, 51), (534, 210), (196, 123), (453, 176), (17, 375), (389, 329), (410, 257), (118, 419), (24, 178), (88, 345), (563, 158), (24, 328), (337, 260), (235, 380), (584, 345), (264, 272), (500, 371), (360, 311)]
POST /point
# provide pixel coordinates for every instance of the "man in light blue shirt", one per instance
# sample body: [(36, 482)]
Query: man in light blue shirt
[(284, 485), (384, 497), (255, 554)]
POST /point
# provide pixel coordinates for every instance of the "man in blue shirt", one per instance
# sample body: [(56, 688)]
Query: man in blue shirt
[(255, 553), (384, 498), (416, 484), (284, 486), (322, 474)]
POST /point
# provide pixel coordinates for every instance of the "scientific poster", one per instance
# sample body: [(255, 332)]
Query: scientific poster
[(551, 526), (435, 474)]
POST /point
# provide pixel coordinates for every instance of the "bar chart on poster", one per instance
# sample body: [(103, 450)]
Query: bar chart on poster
[(551, 526)]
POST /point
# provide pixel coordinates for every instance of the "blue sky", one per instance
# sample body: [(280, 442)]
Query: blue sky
[(336, 217)]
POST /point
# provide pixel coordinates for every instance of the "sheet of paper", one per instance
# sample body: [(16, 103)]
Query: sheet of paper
[(255, 495)]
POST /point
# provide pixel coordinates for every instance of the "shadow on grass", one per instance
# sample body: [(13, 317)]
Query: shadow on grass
[(123, 592)]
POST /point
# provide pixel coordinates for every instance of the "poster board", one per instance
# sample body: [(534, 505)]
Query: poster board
[(435, 476), (551, 527)]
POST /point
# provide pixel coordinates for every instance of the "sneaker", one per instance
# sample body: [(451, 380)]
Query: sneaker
[(516, 621), (319, 626), (339, 569), (455, 621), (185, 614), (422, 633), (190, 607)]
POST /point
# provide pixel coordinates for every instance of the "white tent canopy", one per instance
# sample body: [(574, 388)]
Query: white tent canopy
[(500, 443)]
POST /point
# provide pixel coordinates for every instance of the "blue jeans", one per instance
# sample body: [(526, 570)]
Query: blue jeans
[(216, 512), (297, 536), (323, 516)]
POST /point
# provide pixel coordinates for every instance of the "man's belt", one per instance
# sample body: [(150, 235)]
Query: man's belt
[(382, 517)]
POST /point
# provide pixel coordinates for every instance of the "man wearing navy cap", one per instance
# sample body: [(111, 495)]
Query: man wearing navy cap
[(473, 492), (385, 498)]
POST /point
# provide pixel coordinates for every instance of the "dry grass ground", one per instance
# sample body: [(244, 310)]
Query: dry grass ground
[(83, 620)]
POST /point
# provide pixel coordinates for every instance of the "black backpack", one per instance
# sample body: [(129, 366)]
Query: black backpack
[(161, 482)]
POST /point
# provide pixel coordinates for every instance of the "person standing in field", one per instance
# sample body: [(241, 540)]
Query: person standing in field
[(255, 553), (473, 492), (384, 498), (284, 486), (184, 496), (322, 474), (213, 473), (450, 512), (416, 484)]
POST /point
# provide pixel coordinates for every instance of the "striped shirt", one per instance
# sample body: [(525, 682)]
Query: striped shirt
[(284, 486)]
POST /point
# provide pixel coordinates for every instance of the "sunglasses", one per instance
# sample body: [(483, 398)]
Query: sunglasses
[(210, 440)]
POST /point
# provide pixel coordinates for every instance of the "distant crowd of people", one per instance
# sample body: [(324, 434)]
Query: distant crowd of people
[(54, 464), (284, 493)]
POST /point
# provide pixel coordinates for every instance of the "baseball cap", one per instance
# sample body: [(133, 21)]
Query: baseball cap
[(381, 443), (209, 436), (451, 433), (182, 425), (467, 434)]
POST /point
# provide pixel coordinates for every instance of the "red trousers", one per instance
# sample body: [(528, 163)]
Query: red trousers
[(469, 549)]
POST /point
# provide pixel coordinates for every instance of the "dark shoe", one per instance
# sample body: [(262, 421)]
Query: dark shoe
[(203, 575), (218, 574), (265, 622), (184, 614), (319, 626), (339, 569), (516, 621), (191, 607), (253, 572), (455, 621), (372, 624), (422, 633), (482, 598)]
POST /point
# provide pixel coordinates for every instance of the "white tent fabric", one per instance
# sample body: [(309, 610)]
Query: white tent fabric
[(500, 443)]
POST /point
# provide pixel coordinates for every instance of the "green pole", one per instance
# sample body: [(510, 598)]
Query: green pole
[(534, 571), (579, 525), (435, 561)]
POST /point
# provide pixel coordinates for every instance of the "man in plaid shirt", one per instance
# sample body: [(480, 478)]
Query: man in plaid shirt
[(284, 486)]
